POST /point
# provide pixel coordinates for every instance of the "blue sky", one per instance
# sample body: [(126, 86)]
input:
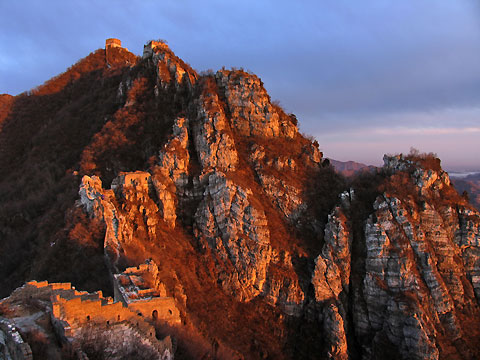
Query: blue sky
[(365, 78)]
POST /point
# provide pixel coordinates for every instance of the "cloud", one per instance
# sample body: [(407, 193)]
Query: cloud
[(402, 131), (452, 134), (405, 131)]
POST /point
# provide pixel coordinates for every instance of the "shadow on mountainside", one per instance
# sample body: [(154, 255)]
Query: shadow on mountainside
[(41, 140)]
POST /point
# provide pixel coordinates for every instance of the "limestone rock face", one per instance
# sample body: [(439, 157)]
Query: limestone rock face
[(174, 157), (334, 329), (467, 238), (418, 280), (331, 280), (249, 105), (90, 191), (100, 203), (280, 189), (170, 176), (287, 197), (237, 233), (168, 67), (213, 137), (127, 209), (282, 287), (399, 275), (332, 267)]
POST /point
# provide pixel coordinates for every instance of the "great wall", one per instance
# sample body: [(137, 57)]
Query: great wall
[(139, 303)]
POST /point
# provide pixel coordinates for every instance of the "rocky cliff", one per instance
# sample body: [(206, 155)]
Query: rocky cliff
[(268, 252), (420, 287)]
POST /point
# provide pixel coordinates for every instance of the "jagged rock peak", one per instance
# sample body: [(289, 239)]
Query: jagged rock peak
[(251, 110), (151, 47), (169, 68), (424, 169)]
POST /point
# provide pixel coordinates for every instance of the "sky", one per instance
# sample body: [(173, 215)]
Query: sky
[(364, 78)]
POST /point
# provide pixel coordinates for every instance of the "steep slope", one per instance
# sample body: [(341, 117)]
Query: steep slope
[(419, 292), (5, 104), (223, 193), (268, 252), (42, 136)]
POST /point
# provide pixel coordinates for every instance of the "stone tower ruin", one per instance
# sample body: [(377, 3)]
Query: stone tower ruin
[(112, 42)]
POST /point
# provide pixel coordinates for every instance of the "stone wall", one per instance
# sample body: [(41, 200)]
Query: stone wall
[(44, 290), (162, 309), (75, 313), (148, 298), (12, 345)]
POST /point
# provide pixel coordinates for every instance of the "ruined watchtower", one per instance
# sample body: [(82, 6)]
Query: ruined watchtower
[(112, 42)]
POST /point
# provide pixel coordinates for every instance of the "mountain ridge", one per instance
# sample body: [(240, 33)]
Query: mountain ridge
[(267, 251)]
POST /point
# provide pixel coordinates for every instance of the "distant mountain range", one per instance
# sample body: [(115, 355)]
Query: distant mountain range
[(349, 168), (470, 184), (461, 181)]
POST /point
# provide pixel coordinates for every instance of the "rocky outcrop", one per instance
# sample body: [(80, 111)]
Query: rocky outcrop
[(209, 177), (251, 111), (168, 67), (280, 189), (170, 176), (12, 346), (127, 209), (332, 267), (212, 135), (331, 281), (467, 239), (408, 285), (237, 232), (287, 197), (418, 281)]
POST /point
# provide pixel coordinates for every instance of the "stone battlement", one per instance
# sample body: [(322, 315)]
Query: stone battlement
[(70, 314), (139, 289), (72, 309), (45, 290), (138, 301), (53, 286), (112, 42)]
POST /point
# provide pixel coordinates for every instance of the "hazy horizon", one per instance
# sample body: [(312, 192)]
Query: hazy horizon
[(365, 80)]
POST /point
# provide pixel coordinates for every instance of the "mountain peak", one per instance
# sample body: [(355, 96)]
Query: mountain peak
[(123, 162)]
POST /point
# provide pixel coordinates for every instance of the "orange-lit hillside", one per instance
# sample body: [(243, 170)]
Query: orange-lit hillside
[(260, 247)]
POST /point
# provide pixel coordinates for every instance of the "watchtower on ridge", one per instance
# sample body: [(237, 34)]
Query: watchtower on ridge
[(112, 42)]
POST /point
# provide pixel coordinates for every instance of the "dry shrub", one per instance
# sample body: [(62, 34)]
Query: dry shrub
[(401, 185), (95, 61), (190, 343), (100, 343), (85, 231), (6, 102), (426, 160), (39, 343), (5, 310)]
